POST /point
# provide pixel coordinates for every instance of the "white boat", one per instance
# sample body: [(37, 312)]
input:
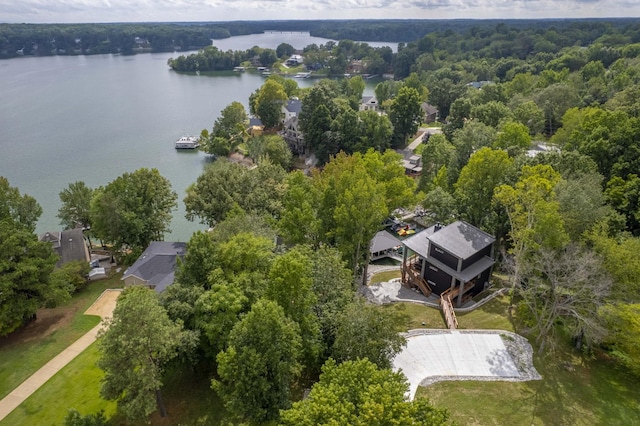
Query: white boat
[(188, 142)]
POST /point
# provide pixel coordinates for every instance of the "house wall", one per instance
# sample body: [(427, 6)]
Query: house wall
[(437, 279), (132, 280), (480, 284), (443, 256), (479, 255)]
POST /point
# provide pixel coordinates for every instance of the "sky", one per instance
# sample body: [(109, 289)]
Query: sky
[(76, 11)]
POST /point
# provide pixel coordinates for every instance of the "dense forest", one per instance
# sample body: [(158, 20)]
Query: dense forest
[(501, 35)]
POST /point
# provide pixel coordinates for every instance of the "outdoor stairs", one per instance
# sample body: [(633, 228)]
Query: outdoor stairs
[(447, 310), (412, 276)]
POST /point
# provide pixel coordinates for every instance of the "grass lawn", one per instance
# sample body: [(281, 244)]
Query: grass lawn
[(414, 315), (77, 386), (25, 351), (574, 391), (385, 276)]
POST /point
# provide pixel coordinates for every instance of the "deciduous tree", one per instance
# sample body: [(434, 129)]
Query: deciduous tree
[(76, 206), (260, 363), (405, 115), (139, 341), (25, 268), (360, 393), (134, 209)]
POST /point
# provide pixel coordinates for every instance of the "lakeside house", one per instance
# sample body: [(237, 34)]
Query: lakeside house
[(156, 266), (69, 245), (455, 260)]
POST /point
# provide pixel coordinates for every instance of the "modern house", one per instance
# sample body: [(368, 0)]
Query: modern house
[(69, 244), (455, 260), (156, 267)]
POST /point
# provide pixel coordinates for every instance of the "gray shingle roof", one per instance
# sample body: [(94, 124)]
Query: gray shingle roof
[(157, 264), (461, 239), (383, 241), (294, 105)]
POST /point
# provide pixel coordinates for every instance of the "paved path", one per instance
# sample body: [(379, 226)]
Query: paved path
[(103, 307)]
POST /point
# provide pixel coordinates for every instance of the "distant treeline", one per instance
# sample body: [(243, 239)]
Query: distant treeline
[(503, 36)]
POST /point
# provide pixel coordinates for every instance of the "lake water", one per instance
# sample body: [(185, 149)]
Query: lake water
[(93, 118)]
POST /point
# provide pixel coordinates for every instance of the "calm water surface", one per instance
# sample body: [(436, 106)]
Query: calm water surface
[(92, 118)]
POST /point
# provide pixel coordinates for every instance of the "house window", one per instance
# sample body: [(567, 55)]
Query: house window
[(438, 250), (432, 283), (433, 268)]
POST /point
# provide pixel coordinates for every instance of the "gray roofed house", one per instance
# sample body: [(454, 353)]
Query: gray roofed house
[(369, 103), (382, 245), (69, 244), (456, 259), (156, 266)]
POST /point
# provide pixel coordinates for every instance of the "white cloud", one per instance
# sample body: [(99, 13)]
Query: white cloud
[(224, 10)]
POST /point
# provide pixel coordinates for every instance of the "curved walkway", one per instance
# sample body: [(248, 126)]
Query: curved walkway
[(102, 307)]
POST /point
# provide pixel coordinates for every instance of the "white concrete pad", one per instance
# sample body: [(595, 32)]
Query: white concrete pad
[(465, 355)]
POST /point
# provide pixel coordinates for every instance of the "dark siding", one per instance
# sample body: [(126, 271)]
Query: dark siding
[(437, 279), (484, 277), (479, 255), (443, 256)]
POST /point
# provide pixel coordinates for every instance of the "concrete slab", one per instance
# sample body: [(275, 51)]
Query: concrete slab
[(456, 355)]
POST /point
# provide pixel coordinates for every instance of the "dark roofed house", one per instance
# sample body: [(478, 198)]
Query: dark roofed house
[(156, 267), (69, 244), (456, 260), (430, 112)]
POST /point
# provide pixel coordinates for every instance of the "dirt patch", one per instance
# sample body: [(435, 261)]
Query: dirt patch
[(47, 321), (105, 304)]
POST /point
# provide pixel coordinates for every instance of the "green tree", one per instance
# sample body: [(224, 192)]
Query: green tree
[(359, 393), (25, 268), (375, 132), (76, 206), (491, 113), (268, 103), (529, 114), (367, 331), (216, 313), (290, 283), (134, 209), (260, 363), (437, 152), (513, 137), (21, 209), (405, 115), (440, 205), (139, 341), (299, 222), (623, 324), (285, 49), (227, 130), (225, 186), (272, 148), (486, 169)]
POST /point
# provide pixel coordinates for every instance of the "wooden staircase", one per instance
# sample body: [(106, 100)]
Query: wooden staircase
[(411, 276), (447, 310)]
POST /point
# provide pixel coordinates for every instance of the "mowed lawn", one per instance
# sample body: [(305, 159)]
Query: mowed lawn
[(575, 390), (25, 351), (77, 386)]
